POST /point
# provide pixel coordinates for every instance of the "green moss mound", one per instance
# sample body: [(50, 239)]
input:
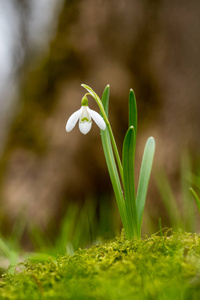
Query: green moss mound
[(160, 267)]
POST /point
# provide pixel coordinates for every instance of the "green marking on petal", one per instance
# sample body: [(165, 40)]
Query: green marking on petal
[(85, 120)]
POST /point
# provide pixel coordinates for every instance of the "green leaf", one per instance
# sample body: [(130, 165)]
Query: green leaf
[(128, 156), (145, 172), (132, 111), (196, 198), (112, 168), (105, 98)]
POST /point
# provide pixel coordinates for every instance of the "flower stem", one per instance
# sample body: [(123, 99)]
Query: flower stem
[(99, 103), (116, 153)]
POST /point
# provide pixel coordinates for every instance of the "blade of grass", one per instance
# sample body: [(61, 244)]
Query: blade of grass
[(168, 199), (67, 227), (85, 229), (188, 204), (39, 239), (11, 254), (196, 198), (145, 172), (194, 180), (128, 155)]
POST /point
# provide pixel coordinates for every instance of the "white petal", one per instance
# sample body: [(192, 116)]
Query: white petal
[(73, 120), (85, 127), (97, 118)]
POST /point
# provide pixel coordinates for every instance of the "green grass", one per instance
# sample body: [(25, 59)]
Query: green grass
[(79, 227), (163, 266), (180, 208)]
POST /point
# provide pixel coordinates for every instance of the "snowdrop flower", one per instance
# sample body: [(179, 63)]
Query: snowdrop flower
[(85, 116)]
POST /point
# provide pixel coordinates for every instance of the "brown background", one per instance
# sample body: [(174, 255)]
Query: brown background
[(150, 46)]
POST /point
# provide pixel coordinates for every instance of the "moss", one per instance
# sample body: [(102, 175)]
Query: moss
[(158, 267)]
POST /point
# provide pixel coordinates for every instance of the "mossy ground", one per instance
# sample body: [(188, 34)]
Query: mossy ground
[(159, 267)]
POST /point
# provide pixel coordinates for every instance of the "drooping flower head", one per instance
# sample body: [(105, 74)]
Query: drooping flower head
[(85, 116)]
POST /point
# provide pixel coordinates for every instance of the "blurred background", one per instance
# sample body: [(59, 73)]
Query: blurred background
[(53, 181)]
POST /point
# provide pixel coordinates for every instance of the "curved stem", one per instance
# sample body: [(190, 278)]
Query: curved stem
[(99, 103)]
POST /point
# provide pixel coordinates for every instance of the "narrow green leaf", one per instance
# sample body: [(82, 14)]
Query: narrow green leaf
[(145, 172), (132, 111), (112, 168), (196, 198), (105, 98), (128, 155)]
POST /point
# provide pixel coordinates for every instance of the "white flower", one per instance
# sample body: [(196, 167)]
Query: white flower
[(85, 116)]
